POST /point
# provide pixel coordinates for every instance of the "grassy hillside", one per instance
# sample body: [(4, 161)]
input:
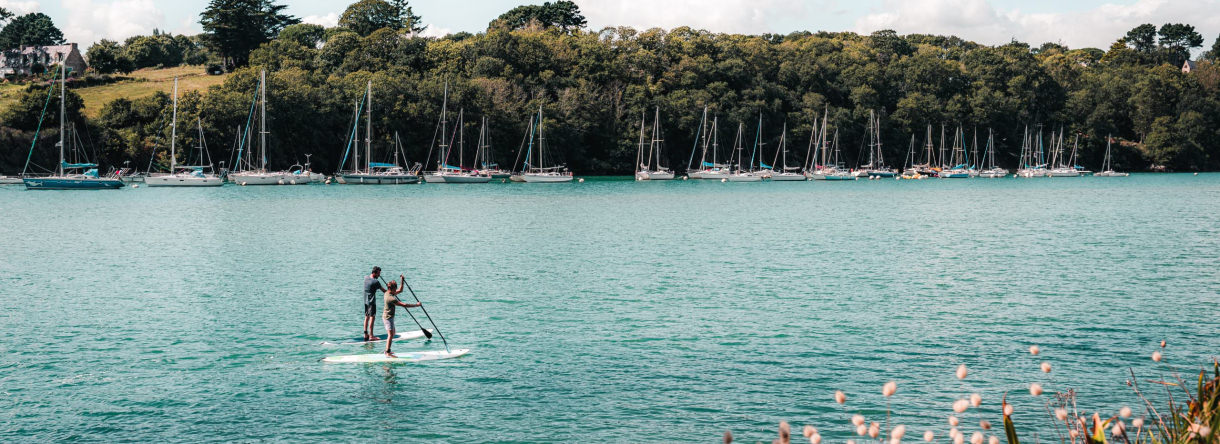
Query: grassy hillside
[(146, 82)]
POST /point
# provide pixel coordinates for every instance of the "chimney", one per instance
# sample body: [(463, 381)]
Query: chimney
[(73, 46)]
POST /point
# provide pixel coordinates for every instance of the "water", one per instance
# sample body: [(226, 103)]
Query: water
[(597, 311)]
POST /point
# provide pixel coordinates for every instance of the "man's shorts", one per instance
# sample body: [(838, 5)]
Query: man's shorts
[(370, 309), (389, 325)]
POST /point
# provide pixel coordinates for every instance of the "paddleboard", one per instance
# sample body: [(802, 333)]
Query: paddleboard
[(431, 355), (412, 334)]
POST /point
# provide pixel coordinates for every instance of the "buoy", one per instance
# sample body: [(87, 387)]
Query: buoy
[(1196, 174), (136, 186), (581, 180), (243, 184), (723, 180), (328, 181), (685, 177), (293, 181)]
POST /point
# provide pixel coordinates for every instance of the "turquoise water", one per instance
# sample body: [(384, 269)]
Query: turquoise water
[(598, 311)]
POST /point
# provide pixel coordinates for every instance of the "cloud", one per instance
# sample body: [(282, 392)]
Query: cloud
[(89, 21), (979, 21), (19, 8), (329, 20), (435, 31), (730, 16)]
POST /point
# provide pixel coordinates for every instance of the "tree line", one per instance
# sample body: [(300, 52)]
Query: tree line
[(593, 86)]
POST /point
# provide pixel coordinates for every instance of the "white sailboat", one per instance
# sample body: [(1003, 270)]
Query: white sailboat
[(184, 175), (992, 171), (786, 173), (1031, 158), (1061, 167), (824, 165), (369, 172), (648, 166), (446, 173), (540, 173), (742, 173), (957, 168), (876, 167), (1107, 166), (708, 138), (255, 172)]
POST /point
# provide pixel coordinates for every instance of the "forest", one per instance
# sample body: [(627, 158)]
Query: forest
[(593, 86)]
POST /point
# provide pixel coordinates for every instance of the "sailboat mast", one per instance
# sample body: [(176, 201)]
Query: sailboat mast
[(173, 132), (63, 84), (540, 136), (639, 149), (368, 128), (262, 121), (440, 162), (461, 137), (652, 147)]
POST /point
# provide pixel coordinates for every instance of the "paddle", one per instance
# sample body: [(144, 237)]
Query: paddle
[(421, 307), (427, 334)]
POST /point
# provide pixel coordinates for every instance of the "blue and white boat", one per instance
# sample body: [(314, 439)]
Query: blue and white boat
[(65, 178)]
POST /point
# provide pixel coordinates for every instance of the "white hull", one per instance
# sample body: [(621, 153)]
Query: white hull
[(134, 178), (456, 178), (745, 177), (1110, 174), (545, 178), (516, 178), (1064, 173), (6, 180), (654, 175), (378, 179), (183, 180), (709, 175), (788, 177), (281, 178)]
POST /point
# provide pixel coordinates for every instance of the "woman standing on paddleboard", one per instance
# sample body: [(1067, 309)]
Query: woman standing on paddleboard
[(387, 316)]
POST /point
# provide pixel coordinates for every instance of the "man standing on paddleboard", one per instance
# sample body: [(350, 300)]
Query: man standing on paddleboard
[(372, 283), (387, 314)]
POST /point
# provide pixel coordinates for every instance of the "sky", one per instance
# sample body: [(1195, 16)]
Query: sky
[(1075, 23)]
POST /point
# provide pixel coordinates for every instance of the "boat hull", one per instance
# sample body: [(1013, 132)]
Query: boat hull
[(708, 175), (654, 175), (745, 178), (543, 178), (788, 177), (378, 179), (1110, 174), (11, 180), (268, 179), (446, 178), (177, 180), (68, 183)]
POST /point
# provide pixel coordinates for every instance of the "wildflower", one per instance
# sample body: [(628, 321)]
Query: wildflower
[(976, 438), (1162, 343), (1117, 429), (929, 436), (874, 429), (1046, 367), (1137, 423), (954, 432), (785, 432), (1034, 350), (1061, 414), (958, 439), (809, 431), (1007, 409), (993, 440), (861, 430), (986, 425), (898, 432), (857, 419), (975, 399), (953, 421), (851, 441), (815, 439), (889, 388), (1125, 412), (1156, 356), (960, 405), (840, 397), (1035, 389), (728, 437), (961, 371), (1074, 433)]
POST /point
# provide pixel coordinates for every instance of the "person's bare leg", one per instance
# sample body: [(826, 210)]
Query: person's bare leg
[(368, 328), (388, 341)]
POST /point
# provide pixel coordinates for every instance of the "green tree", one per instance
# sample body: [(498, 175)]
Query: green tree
[(1177, 40), (30, 30), (305, 34), (106, 57), (366, 16), (5, 15), (562, 14), (233, 28), (1143, 38)]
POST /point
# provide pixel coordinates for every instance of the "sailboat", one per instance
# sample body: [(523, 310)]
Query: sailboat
[(992, 171), (1031, 164), (823, 165), (255, 172), (645, 169), (1107, 166), (183, 175), (1064, 168), (707, 138), (540, 173), (742, 174), (876, 161), (483, 155), (957, 166), (925, 169), (10, 180), (785, 173), (446, 173), (87, 179), (373, 173)]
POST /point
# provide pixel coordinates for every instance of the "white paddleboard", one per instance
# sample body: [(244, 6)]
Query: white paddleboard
[(412, 334), (431, 355)]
